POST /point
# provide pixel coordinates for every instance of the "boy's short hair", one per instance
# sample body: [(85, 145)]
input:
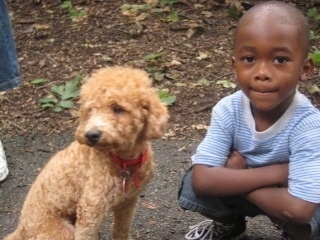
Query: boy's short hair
[(284, 13)]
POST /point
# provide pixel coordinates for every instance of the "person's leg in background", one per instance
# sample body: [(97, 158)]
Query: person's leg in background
[(9, 68)]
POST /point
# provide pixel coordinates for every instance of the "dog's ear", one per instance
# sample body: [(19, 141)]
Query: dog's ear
[(157, 117)]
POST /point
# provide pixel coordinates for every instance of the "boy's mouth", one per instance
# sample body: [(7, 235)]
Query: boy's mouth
[(263, 91)]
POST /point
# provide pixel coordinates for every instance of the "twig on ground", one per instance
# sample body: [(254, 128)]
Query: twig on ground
[(53, 60), (16, 125), (178, 50), (204, 108), (221, 76)]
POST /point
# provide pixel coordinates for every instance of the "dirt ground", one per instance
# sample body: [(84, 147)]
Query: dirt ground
[(158, 215), (190, 57)]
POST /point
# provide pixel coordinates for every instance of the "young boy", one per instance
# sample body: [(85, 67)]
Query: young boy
[(261, 154)]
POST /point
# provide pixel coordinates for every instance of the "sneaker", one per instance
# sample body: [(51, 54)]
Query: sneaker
[(210, 230), (4, 171)]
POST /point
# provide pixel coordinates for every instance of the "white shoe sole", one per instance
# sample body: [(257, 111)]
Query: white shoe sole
[(4, 175), (3, 164)]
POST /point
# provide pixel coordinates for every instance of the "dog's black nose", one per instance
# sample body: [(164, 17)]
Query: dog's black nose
[(93, 136)]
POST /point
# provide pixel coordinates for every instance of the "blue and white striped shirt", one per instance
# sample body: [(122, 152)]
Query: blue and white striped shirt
[(294, 138)]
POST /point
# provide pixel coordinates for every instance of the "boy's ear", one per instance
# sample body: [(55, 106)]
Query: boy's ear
[(307, 69)]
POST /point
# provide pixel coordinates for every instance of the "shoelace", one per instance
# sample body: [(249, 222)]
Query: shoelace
[(206, 230), (201, 231)]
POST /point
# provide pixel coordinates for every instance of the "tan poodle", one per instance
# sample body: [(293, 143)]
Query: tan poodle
[(105, 169)]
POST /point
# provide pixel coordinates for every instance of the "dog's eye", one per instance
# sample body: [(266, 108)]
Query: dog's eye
[(118, 109), (146, 107)]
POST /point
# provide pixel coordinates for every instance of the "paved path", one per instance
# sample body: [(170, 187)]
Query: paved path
[(158, 215)]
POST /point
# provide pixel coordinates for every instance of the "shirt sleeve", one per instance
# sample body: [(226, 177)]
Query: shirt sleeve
[(216, 146), (304, 165)]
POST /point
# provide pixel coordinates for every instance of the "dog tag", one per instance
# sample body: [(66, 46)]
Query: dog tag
[(124, 184), (124, 175)]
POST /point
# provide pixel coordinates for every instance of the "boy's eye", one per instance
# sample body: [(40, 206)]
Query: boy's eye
[(248, 59), (281, 60)]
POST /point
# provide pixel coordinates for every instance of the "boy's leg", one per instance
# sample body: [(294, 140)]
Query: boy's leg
[(226, 224), (209, 207), (223, 208), (315, 225), (309, 231), (219, 209)]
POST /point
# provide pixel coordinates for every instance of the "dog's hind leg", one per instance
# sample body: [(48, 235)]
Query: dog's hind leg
[(52, 229), (62, 230), (122, 218), (16, 235)]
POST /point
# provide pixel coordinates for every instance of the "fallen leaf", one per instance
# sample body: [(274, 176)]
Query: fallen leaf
[(207, 14), (153, 222), (41, 26), (141, 17), (200, 127), (202, 56), (151, 1), (148, 205), (179, 84)]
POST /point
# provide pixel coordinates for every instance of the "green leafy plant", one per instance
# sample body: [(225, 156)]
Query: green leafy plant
[(141, 11), (226, 84), (62, 96), (313, 14), (135, 7), (168, 2), (74, 14), (313, 35), (166, 97), (314, 18), (315, 55), (313, 89), (154, 68), (38, 81), (161, 75), (173, 16), (234, 12), (152, 56), (204, 82)]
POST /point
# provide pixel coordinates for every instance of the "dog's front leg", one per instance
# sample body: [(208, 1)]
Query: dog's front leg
[(90, 216), (122, 218)]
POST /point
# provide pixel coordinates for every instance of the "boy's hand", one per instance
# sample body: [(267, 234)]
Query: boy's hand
[(236, 161)]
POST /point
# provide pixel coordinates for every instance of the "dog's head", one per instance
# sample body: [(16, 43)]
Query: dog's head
[(118, 108)]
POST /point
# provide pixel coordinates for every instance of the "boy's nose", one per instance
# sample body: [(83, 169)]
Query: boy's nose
[(262, 72)]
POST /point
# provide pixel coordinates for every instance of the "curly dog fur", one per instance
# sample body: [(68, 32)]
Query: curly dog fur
[(119, 112)]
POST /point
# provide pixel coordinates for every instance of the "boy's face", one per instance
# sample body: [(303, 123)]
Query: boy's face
[(269, 60)]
